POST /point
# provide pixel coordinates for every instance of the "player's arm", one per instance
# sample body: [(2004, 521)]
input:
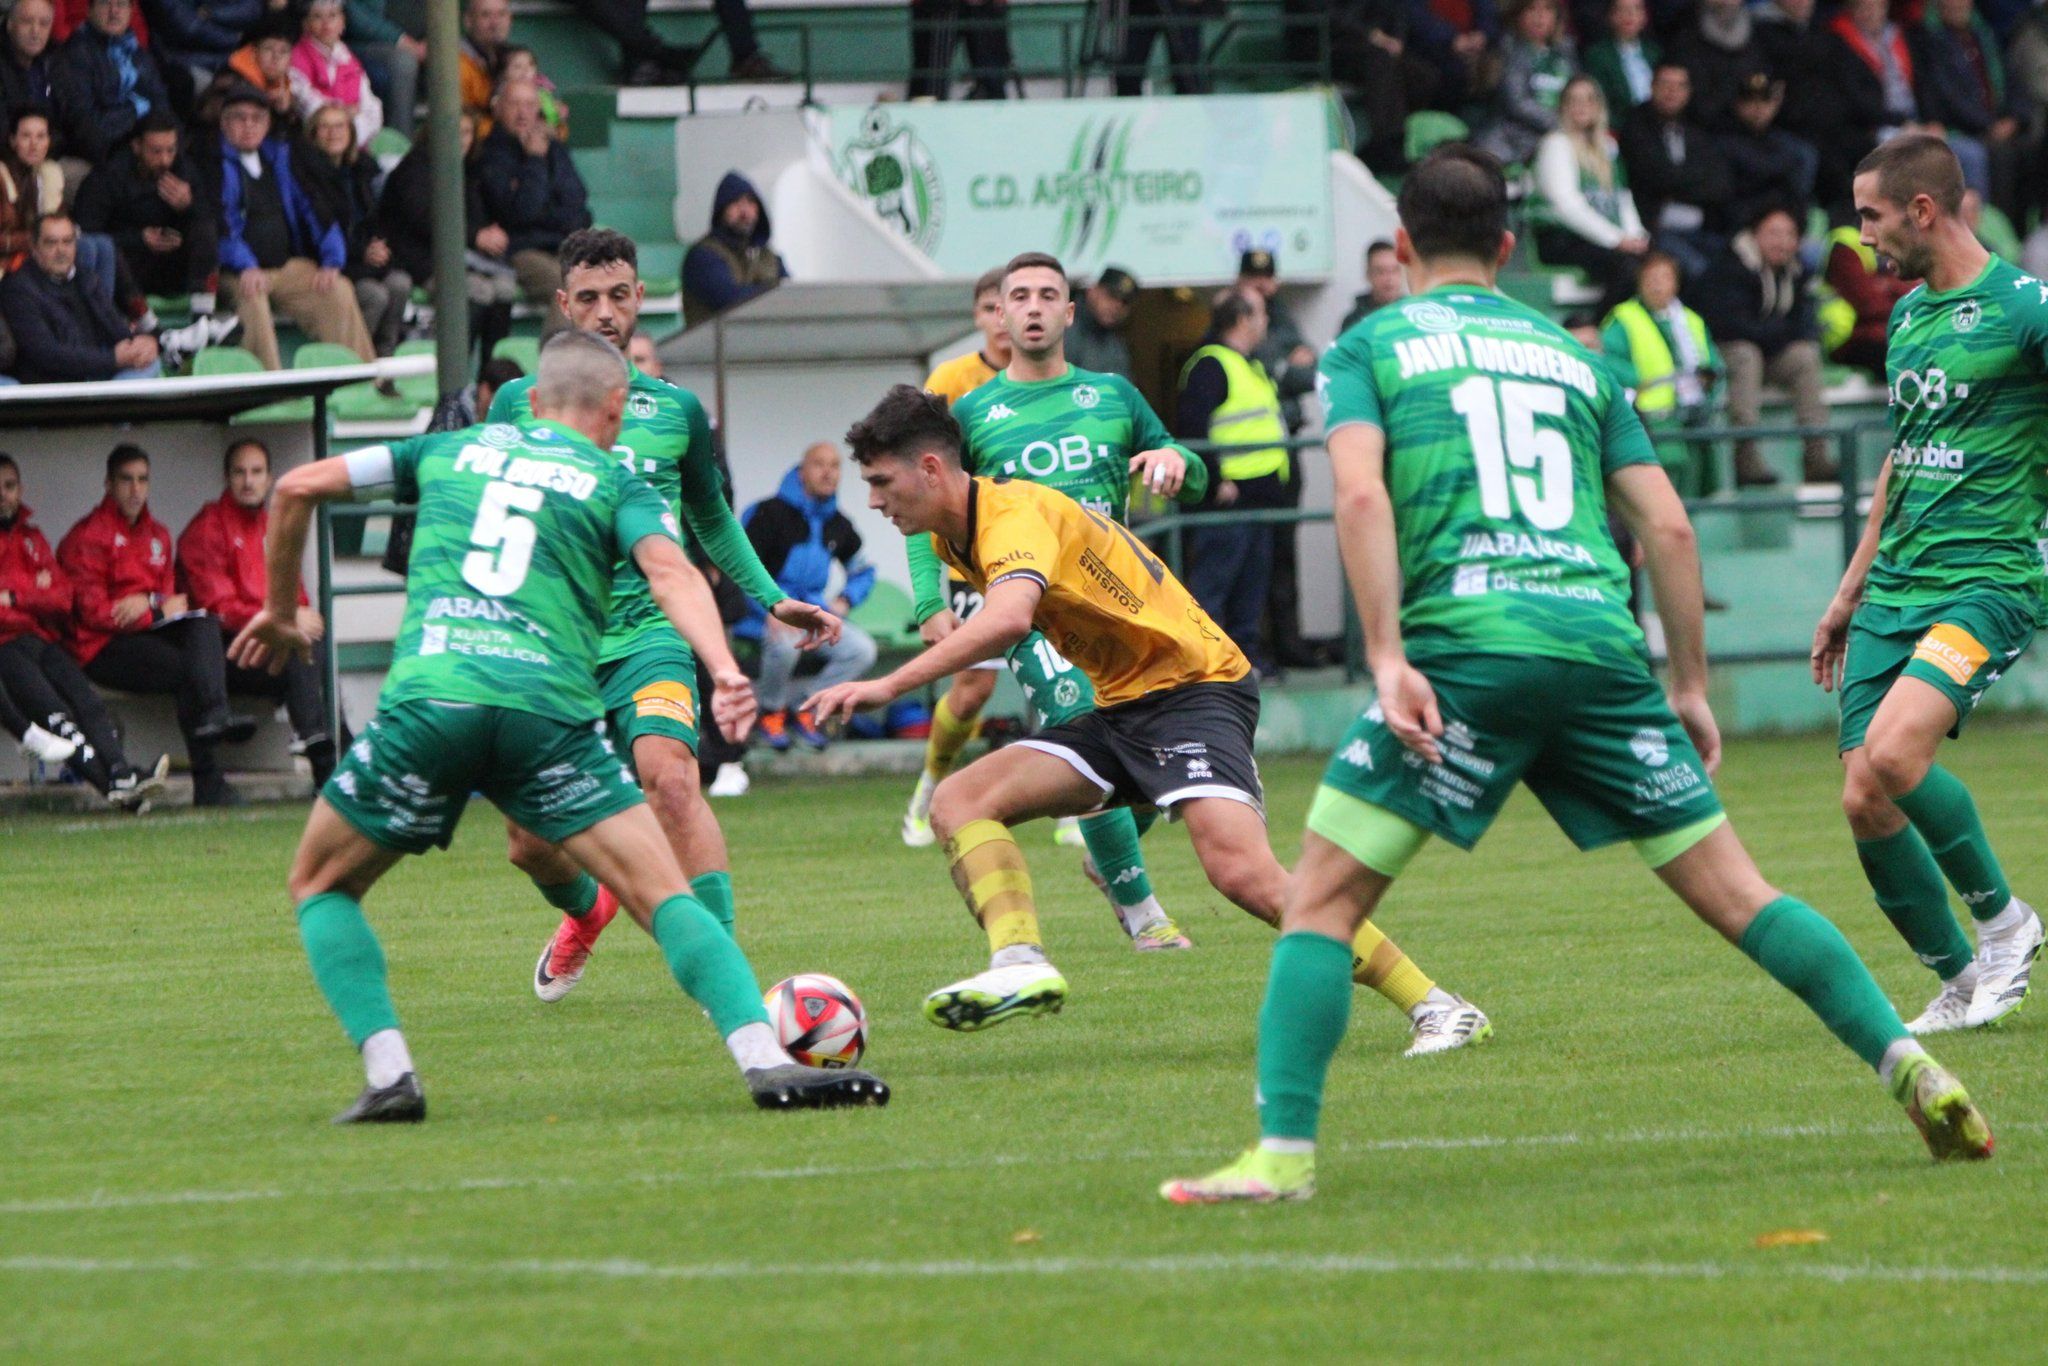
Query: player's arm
[(928, 588), (1647, 504), (1004, 619), (684, 596), (1161, 463), (1372, 563), (274, 636), (1831, 637)]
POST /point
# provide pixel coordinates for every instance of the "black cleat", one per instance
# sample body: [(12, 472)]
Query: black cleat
[(402, 1102), (794, 1087)]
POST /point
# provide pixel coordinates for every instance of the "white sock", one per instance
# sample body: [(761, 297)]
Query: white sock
[(1017, 953), (385, 1058), (2006, 921), (1966, 978), (1438, 999), (755, 1046), (1900, 1050), (1287, 1145), (1142, 916)]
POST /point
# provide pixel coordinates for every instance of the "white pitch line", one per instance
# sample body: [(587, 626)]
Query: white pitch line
[(1293, 1263), (110, 1201)]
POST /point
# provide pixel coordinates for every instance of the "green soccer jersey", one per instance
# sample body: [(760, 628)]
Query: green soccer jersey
[(1967, 372), (666, 440), (1077, 433), (1500, 433), (518, 532)]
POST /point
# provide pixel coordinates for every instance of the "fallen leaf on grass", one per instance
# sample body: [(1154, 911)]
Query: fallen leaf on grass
[(1026, 1235), (1790, 1237)]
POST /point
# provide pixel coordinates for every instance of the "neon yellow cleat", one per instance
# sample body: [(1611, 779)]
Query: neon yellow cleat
[(1159, 936), (989, 998), (1258, 1176), (1941, 1110)]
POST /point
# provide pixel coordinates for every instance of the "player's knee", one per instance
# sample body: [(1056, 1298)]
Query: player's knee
[(1247, 877), (953, 805), (672, 788), (526, 851), (1895, 766)]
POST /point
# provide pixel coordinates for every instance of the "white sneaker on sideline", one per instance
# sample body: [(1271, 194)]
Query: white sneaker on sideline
[(37, 743), (731, 780)]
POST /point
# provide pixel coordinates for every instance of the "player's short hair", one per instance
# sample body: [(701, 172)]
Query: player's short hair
[(596, 247), (992, 278), (155, 121), (909, 422), (123, 455), (227, 457), (1455, 203), (1037, 260), (1654, 257), (1379, 245), (1230, 310), (577, 370), (7, 463), (499, 371), (1914, 164)]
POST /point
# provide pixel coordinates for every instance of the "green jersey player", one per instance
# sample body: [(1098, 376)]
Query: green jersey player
[(1090, 436), (493, 688), (647, 675), (1947, 587), (1475, 447)]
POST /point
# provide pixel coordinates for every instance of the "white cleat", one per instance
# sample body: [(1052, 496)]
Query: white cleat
[(1948, 1011), (2005, 963), (730, 781), (989, 998), (1439, 1029), (917, 821)]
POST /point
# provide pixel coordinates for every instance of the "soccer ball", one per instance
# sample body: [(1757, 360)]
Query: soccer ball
[(819, 1020)]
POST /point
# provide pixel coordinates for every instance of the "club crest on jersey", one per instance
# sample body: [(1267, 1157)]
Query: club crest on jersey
[(1968, 316), (641, 406), (1431, 316), (502, 434), (1085, 396), (1066, 692), (1650, 747)]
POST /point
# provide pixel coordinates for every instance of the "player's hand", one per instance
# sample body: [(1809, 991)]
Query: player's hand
[(311, 624), (270, 642), (1698, 719), (1409, 704), (842, 700), (129, 610), (819, 626), (1162, 471), (938, 626), (1831, 644), (732, 704)]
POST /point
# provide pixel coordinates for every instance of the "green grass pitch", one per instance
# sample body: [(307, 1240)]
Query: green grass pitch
[(593, 1183)]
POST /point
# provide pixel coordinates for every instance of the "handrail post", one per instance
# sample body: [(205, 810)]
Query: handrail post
[(1848, 465)]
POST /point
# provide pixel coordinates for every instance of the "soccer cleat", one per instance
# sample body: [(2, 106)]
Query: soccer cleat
[(1067, 831), (37, 743), (133, 791), (1950, 1009), (917, 821), (806, 727), (1439, 1029), (1941, 1110), (1159, 937), (2005, 965), (989, 998), (402, 1102), (774, 728), (1258, 1177), (562, 962), (793, 1086)]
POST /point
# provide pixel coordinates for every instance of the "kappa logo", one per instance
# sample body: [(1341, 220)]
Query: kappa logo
[(997, 414), (1650, 747), (1086, 396), (346, 782), (1358, 754)]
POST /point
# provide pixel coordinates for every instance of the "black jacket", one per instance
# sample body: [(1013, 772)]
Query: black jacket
[(117, 200), (346, 196), (1801, 57), (97, 118), (1765, 170), (1717, 73), (1946, 84), (29, 86), (63, 328), (1742, 300), (1656, 180), (537, 200), (405, 213)]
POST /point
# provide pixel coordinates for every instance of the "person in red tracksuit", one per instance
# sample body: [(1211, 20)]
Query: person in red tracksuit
[(129, 627), (220, 568), (45, 702)]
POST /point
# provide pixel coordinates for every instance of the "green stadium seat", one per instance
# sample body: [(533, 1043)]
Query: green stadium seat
[(389, 145), (1429, 129), (523, 351), (352, 402), (226, 360), (886, 615), (421, 391)]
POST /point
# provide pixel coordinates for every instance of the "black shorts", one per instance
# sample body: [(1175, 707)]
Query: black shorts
[(1192, 741)]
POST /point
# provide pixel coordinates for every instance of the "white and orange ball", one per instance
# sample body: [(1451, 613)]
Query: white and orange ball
[(819, 1019)]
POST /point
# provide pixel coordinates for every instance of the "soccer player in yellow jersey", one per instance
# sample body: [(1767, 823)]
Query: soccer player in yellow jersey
[(956, 720), (1177, 701)]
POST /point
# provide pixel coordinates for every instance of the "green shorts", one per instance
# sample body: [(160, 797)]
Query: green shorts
[(1596, 743), (1056, 689), (652, 691), (407, 777), (1960, 647)]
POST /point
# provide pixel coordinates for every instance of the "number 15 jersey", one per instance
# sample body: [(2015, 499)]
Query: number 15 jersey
[(1501, 431)]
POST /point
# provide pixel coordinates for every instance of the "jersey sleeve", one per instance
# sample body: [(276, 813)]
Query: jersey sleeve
[(2027, 312), (638, 514), (386, 471), (507, 404), (1623, 441), (927, 578), (711, 520), (1148, 433), (1345, 383), (1017, 542)]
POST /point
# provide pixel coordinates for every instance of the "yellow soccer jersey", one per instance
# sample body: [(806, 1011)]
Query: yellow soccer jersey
[(1110, 606), (959, 377)]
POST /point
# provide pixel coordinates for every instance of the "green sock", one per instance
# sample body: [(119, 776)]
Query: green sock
[(1113, 843), (1911, 894), (1941, 810), (708, 964), (577, 898), (348, 963), (1809, 958), (715, 891), (1144, 818), (1308, 1003)]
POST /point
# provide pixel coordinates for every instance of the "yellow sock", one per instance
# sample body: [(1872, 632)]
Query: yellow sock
[(1377, 962), (950, 734), (989, 870)]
